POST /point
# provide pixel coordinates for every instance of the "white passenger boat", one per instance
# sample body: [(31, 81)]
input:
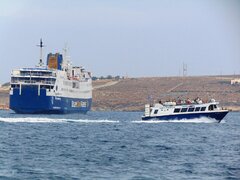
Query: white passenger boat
[(186, 110)]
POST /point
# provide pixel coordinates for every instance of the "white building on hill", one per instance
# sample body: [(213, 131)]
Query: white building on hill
[(235, 81)]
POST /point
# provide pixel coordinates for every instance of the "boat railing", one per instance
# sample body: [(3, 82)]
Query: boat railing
[(224, 108), (184, 102), (32, 82), (38, 74)]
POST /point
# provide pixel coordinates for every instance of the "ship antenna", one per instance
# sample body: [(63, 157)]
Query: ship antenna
[(41, 46), (65, 51), (66, 61)]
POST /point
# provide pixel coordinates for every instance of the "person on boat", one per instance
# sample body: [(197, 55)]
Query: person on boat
[(188, 101), (179, 101)]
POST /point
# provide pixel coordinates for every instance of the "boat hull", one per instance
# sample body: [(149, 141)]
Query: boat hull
[(31, 101), (218, 116)]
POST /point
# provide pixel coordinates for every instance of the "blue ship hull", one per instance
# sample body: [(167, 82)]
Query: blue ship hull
[(29, 102), (214, 115)]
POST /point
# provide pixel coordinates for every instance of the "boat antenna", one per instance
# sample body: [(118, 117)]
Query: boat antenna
[(40, 64), (65, 51), (65, 60)]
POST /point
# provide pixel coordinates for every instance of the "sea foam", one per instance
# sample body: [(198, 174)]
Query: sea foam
[(52, 120), (195, 120)]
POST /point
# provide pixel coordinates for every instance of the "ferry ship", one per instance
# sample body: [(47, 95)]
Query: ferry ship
[(185, 110), (57, 87)]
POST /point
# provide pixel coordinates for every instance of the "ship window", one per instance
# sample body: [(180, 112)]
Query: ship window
[(210, 108), (215, 106), (203, 108), (197, 109), (177, 110), (155, 111), (184, 110), (75, 85), (190, 109)]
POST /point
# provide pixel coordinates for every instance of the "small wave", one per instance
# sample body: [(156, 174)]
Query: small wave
[(149, 121), (92, 121), (196, 120), (51, 120), (30, 120)]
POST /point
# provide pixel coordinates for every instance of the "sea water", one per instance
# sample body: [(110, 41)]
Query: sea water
[(117, 145)]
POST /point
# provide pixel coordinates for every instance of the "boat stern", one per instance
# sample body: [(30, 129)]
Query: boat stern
[(29, 99)]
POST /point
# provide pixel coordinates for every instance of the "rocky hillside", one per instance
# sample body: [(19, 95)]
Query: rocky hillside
[(131, 94)]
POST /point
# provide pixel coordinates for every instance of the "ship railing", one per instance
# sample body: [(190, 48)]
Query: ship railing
[(37, 74), (85, 80), (32, 82)]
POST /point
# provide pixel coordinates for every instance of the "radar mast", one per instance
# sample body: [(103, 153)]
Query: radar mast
[(40, 64)]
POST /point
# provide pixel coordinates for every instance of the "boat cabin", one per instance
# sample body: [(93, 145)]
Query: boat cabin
[(159, 109)]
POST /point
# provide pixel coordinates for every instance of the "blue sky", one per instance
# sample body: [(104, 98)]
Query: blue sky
[(137, 38)]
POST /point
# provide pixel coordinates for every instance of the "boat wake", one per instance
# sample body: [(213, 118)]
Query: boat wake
[(196, 120), (51, 120)]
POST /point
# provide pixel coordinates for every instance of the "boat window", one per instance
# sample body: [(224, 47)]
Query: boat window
[(190, 109), (15, 85), (203, 108), (210, 108), (155, 111), (197, 109), (184, 110), (177, 110)]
